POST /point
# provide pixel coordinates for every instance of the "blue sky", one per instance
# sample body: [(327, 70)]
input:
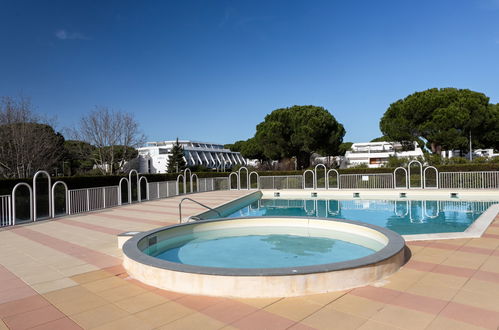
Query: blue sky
[(211, 70)]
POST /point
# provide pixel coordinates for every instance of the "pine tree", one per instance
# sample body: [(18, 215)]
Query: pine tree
[(176, 162)]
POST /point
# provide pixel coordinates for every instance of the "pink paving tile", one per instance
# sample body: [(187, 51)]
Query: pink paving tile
[(198, 303), (486, 276), (130, 219), (33, 318), (453, 270), (378, 294), (472, 315), (116, 270), (229, 311), (5, 274), (495, 236), (10, 284), (22, 305), (93, 257), (60, 324), (263, 320), (142, 210), (419, 265), (463, 248), (476, 250), (495, 253), (301, 326), (419, 303), (16, 294), (441, 269), (89, 226), (168, 294)]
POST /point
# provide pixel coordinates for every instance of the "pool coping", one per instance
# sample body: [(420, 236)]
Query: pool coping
[(395, 245)]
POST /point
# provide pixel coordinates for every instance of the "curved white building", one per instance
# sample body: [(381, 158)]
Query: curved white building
[(153, 158)]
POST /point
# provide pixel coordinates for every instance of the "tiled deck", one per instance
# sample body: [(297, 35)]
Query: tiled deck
[(66, 274)]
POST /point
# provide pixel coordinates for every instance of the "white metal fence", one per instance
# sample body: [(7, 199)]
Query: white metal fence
[(5, 211), (89, 199), (469, 180), (366, 181)]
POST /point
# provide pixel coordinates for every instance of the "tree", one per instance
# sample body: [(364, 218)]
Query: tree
[(78, 155), (299, 131), (27, 142), (444, 118), (344, 147), (176, 161), (115, 136)]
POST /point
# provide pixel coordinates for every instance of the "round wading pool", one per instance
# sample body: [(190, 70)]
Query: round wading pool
[(263, 257)]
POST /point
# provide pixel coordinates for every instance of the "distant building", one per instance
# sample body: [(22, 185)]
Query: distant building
[(376, 154), (153, 158), (487, 153)]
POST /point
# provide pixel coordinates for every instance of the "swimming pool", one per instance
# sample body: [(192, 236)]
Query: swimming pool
[(406, 217), (263, 256), (263, 247)]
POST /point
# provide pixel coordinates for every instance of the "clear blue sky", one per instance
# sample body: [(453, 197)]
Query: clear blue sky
[(211, 70)]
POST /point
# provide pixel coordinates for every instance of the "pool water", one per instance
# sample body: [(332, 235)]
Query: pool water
[(263, 247), (406, 217)]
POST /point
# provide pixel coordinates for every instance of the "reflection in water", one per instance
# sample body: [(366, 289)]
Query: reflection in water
[(402, 216), (297, 245)]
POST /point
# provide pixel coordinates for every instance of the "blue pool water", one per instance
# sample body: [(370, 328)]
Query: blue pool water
[(405, 217), (254, 248)]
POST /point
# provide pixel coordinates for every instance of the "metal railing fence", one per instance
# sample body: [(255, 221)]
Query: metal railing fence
[(90, 199), (469, 180), (5, 211)]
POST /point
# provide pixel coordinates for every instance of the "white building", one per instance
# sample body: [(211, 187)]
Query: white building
[(153, 158), (376, 154)]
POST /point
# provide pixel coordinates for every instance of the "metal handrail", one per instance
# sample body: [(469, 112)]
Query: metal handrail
[(192, 200)]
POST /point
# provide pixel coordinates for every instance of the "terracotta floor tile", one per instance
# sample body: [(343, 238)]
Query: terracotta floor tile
[(126, 323), (482, 287), (99, 316), (326, 298), (193, 321), (476, 299), (121, 292), (491, 265), (373, 325), (294, 308), (80, 304), (162, 314), (357, 306), (104, 284), (66, 294), (257, 302), (16, 293), (53, 285), (141, 302), (229, 312), (330, 318), (443, 280), (60, 324), (403, 318), (471, 315), (91, 276), (198, 303), (22, 306), (434, 291), (440, 323), (261, 320), (33, 318), (300, 326)]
